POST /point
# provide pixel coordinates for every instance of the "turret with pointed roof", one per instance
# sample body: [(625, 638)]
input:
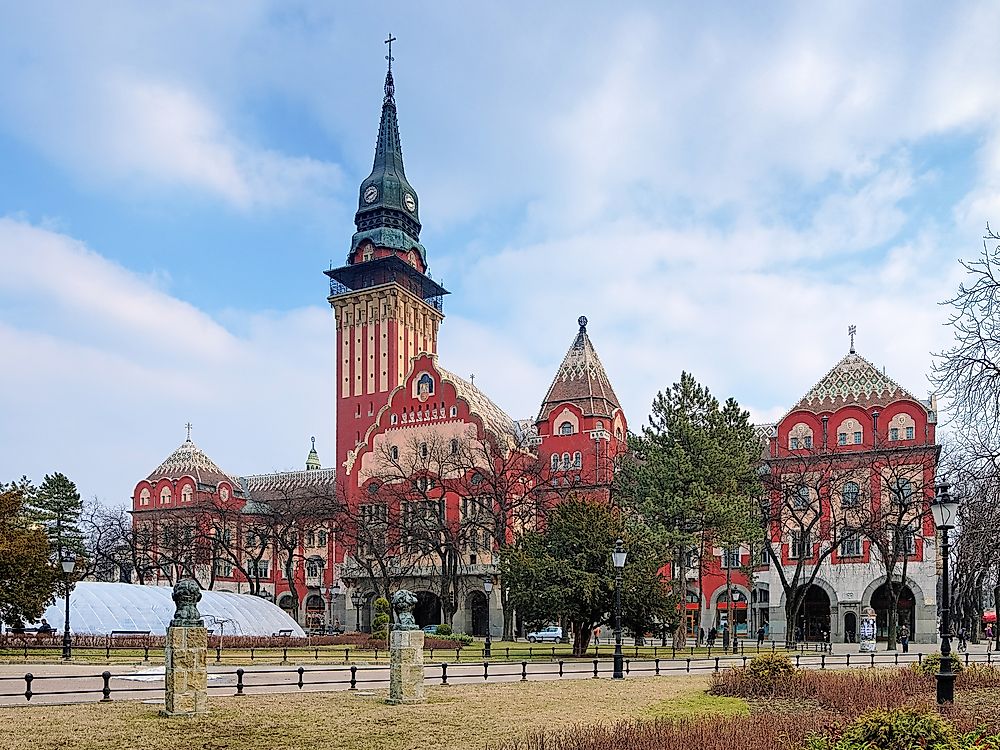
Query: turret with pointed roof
[(582, 381)]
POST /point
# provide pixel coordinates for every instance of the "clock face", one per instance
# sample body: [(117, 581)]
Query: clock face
[(371, 194), (409, 202)]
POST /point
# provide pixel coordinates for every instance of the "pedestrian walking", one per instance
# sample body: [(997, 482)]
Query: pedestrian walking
[(904, 638), (963, 644), (760, 636), (597, 636)]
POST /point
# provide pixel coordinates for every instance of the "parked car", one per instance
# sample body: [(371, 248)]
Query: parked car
[(552, 633), (431, 629)]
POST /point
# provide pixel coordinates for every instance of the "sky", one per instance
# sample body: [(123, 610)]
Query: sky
[(721, 188)]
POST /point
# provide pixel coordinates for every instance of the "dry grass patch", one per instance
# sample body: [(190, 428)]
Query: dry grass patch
[(460, 717)]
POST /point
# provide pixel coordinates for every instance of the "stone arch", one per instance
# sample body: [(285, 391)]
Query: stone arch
[(478, 613), (918, 593), (739, 619), (909, 615), (428, 609)]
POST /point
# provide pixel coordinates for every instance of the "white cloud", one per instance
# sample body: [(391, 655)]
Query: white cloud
[(104, 368)]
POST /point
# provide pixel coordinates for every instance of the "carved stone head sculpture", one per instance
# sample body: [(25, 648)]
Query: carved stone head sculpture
[(187, 594), (403, 602)]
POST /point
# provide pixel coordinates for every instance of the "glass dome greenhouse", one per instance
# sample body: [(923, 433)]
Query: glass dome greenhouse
[(102, 608)]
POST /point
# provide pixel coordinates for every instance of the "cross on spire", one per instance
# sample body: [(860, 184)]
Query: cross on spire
[(472, 378), (389, 57), (188, 426), (851, 331)]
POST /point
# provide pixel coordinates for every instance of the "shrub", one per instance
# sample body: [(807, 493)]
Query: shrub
[(443, 629), (770, 667), (931, 665), (380, 623), (899, 729)]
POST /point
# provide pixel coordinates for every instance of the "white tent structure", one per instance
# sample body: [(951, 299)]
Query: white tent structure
[(102, 608)]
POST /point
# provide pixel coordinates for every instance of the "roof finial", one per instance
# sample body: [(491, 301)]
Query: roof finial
[(472, 378), (851, 331), (188, 426), (313, 442), (390, 88), (582, 320)]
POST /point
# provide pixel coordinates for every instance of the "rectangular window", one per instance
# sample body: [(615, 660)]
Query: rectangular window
[(841, 438), (909, 433), (808, 441), (905, 540), (731, 557), (765, 557), (850, 546), (894, 433), (800, 546), (259, 568), (902, 492), (794, 443), (322, 539), (857, 438), (802, 498), (223, 568)]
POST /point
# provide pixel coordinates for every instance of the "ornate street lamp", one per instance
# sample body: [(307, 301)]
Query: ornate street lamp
[(356, 601), (618, 558), (332, 592), (68, 564), (488, 588), (945, 511)]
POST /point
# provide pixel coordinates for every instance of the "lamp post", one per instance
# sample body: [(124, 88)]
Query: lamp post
[(996, 615), (68, 564), (332, 592), (618, 557), (488, 588), (945, 510), (356, 601)]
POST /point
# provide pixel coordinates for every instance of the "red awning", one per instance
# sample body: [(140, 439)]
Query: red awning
[(990, 616)]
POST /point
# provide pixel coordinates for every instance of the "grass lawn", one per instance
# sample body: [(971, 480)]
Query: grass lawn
[(460, 717)]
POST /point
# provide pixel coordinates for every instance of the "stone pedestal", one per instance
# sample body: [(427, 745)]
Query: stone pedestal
[(406, 666), (186, 678)]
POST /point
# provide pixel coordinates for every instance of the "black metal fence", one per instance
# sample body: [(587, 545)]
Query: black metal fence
[(105, 687), (330, 654)]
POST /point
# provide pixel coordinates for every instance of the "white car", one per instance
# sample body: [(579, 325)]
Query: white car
[(551, 633)]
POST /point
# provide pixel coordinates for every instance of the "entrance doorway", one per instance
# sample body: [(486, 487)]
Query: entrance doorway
[(814, 615), (478, 613), (850, 627), (315, 612), (905, 610), (428, 609)]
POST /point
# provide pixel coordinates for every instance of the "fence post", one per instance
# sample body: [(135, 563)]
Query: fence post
[(822, 662), (896, 657), (486, 671), (444, 673), (218, 654), (27, 685), (673, 652), (317, 654), (346, 652), (284, 654), (107, 649), (145, 653), (239, 681), (848, 660), (797, 660), (251, 653), (553, 652), (354, 677), (636, 653), (966, 658), (530, 651), (300, 670), (458, 654), (654, 652), (657, 663), (774, 646), (873, 660), (689, 664), (744, 661), (595, 669), (106, 690), (560, 667), (920, 658), (507, 650), (716, 663), (524, 671)]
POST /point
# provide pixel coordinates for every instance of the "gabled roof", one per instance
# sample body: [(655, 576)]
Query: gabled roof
[(853, 381), (494, 418), (190, 460), (262, 488), (581, 380)]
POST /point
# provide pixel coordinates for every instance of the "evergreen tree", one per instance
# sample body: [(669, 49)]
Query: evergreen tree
[(27, 576), (564, 573), (692, 476), (56, 505)]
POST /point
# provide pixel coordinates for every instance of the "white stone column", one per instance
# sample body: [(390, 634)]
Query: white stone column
[(406, 666)]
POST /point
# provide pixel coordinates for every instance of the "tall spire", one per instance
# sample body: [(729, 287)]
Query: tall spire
[(312, 460), (388, 209)]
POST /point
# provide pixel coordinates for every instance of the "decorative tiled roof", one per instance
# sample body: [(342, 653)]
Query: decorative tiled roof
[(190, 460), (581, 380), (763, 433), (494, 418), (261, 488), (853, 381)]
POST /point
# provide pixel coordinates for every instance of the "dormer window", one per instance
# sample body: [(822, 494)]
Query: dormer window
[(566, 428), (165, 496)]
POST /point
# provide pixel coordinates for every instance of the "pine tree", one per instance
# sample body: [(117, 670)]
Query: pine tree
[(57, 506), (27, 576)]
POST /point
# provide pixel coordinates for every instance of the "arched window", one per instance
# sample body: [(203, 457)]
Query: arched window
[(577, 460), (165, 496), (144, 497), (849, 494), (394, 419), (423, 450), (618, 433), (565, 460), (186, 494), (555, 462), (394, 453), (566, 428), (600, 424), (425, 385), (454, 411), (454, 446)]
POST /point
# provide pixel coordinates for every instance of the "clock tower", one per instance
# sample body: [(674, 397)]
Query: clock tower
[(387, 307)]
